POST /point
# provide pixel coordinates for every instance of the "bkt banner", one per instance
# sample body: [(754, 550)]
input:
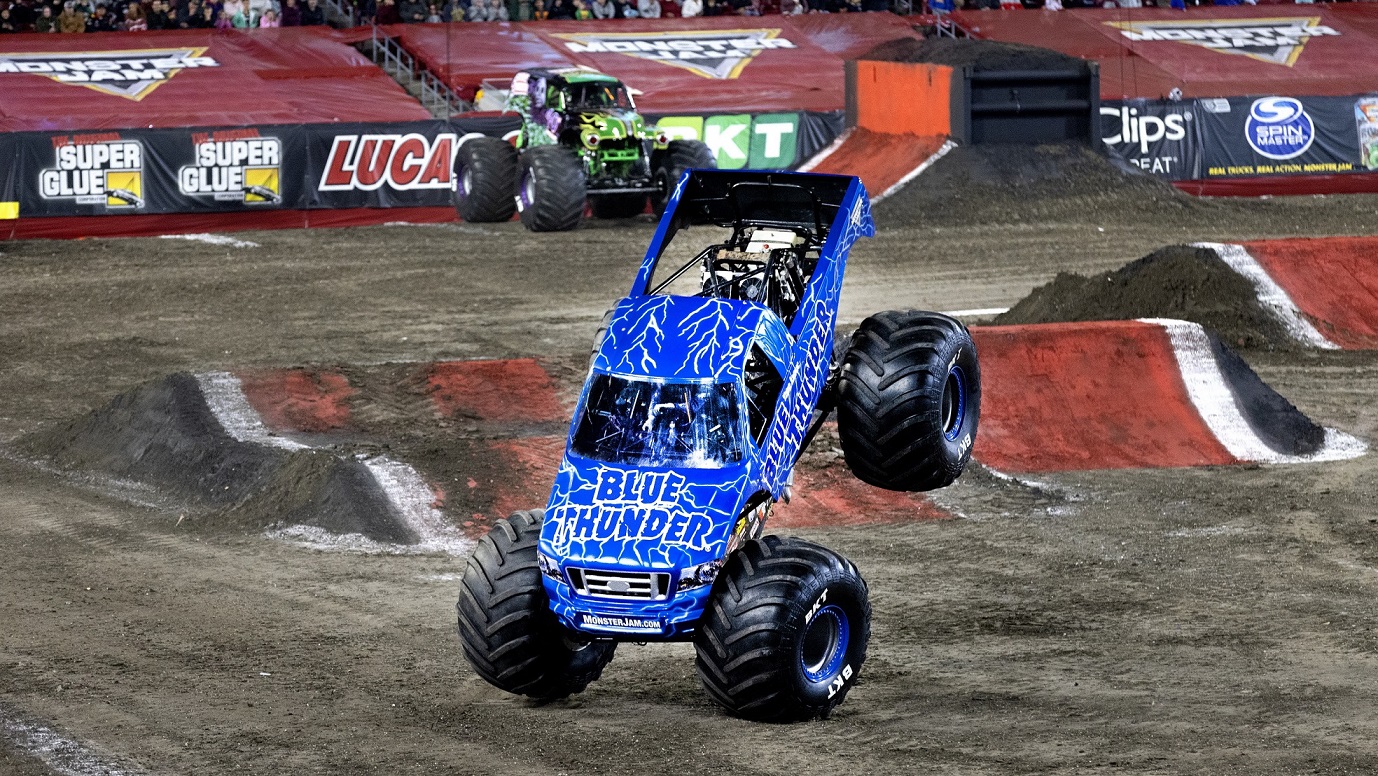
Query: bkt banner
[(1244, 136)]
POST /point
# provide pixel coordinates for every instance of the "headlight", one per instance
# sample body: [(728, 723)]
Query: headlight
[(548, 566), (700, 575), (591, 140)]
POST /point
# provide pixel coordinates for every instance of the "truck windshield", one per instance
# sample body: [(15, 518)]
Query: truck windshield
[(647, 423), (599, 94)]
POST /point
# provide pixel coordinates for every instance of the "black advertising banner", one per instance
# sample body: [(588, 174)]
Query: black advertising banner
[(1264, 136), (231, 169), (1157, 137), (1220, 138), (315, 166)]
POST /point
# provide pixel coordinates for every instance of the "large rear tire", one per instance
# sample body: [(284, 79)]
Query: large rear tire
[(785, 631), (909, 400), (509, 634), (485, 180), (668, 167), (550, 189), (617, 205)]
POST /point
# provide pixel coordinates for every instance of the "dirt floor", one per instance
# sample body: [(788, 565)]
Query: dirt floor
[(1168, 621)]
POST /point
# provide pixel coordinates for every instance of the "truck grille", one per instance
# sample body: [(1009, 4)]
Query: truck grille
[(630, 585)]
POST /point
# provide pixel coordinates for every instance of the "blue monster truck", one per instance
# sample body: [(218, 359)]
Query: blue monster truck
[(707, 383)]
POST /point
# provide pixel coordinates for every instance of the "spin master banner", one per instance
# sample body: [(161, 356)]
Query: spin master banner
[(318, 166), (1230, 137)]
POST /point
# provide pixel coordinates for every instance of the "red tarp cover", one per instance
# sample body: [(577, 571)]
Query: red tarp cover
[(721, 64), (297, 75), (1227, 52)]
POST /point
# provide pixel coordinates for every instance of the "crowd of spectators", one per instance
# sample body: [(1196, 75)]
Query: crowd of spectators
[(407, 11), (134, 15)]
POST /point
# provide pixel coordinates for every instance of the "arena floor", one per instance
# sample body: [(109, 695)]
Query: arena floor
[(1211, 620)]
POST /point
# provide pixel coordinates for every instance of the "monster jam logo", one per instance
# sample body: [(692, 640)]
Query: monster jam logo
[(402, 162), (1276, 41), (234, 166), (101, 169), (614, 622), (717, 54), (131, 74), (633, 505)]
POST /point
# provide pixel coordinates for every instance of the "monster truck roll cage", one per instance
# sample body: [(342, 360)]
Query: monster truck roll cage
[(778, 230)]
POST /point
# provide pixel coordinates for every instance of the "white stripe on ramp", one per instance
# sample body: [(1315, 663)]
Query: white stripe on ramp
[(1211, 395), (224, 395), (1271, 295), (818, 158), (979, 312), (947, 145), (407, 493), (61, 754), (412, 500)]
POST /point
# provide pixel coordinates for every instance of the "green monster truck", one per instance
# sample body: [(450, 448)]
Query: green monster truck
[(581, 137)]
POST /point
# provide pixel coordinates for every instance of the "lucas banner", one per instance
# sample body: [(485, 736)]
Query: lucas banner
[(1238, 137), (318, 166)]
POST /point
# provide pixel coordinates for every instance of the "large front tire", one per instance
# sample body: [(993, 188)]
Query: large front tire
[(550, 189), (668, 167), (485, 180), (509, 634), (909, 400), (785, 631)]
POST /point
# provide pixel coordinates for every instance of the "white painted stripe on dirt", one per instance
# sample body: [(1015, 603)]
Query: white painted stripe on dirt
[(818, 158), (412, 501), (213, 239), (61, 754), (1211, 395), (1271, 295), (408, 494), (224, 395), (947, 145), (979, 312)]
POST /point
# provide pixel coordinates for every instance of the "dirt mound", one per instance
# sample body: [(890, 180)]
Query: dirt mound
[(322, 490), (1044, 184), (980, 54), (163, 434), (1179, 281)]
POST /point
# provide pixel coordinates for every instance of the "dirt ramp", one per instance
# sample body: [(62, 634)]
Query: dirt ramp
[(1180, 282), (1053, 183), (164, 434), (321, 490), (1133, 394), (192, 439)]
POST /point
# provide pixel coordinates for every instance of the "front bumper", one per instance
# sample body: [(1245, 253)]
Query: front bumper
[(672, 619)]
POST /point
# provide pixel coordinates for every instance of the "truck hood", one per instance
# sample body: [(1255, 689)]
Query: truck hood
[(681, 337), (606, 515)]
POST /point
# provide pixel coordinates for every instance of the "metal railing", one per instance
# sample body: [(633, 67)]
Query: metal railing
[(434, 93), (342, 12)]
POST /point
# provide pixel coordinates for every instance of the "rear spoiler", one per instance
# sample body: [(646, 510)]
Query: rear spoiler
[(783, 199)]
